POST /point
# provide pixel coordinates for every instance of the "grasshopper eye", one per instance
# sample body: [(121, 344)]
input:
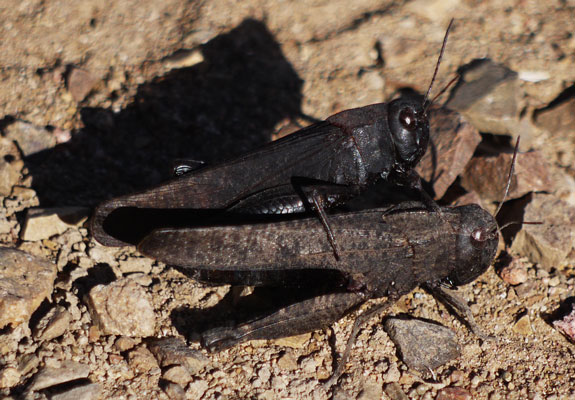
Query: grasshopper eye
[(479, 237), (407, 119)]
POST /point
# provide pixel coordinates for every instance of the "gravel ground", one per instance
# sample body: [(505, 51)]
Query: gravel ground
[(101, 96)]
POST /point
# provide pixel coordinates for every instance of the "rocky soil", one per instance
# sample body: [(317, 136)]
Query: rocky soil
[(98, 98)]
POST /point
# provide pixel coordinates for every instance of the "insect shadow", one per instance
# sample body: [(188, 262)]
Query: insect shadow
[(209, 111)]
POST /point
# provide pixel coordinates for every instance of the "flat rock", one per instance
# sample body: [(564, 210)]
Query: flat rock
[(488, 96), (174, 351), (557, 119), (53, 324), (139, 264), (50, 376), (423, 346), (103, 255), (177, 374), (80, 83), (30, 138), (453, 141), (550, 243), (487, 176), (295, 342), (523, 326), (43, 223), (566, 325), (84, 392), (122, 308), (25, 281)]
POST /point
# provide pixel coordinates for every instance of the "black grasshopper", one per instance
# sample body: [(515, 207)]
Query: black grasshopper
[(312, 169), (382, 254)]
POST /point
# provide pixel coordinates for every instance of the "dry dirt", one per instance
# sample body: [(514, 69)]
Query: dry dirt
[(208, 79)]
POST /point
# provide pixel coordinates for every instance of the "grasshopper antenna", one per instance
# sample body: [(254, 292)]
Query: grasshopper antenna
[(520, 223), (511, 169), (451, 82), (437, 64), (482, 235)]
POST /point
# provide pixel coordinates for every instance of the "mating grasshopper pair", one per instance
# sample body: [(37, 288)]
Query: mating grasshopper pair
[(228, 218)]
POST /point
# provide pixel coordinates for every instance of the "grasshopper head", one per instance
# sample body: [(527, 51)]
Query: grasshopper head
[(409, 128), (476, 245)]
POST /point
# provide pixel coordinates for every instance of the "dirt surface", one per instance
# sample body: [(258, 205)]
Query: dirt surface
[(208, 80)]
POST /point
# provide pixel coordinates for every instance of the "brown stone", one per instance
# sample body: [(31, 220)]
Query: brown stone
[(122, 308), (523, 326), (9, 377), (515, 273), (53, 324), (453, 393), (488, 175), (124, 343), (423, 346), (66, 372), (488, 96), (142, 360), (173, 351), (288, 361), (295, 342), (25, 281), (559, 120), (452, 144), (177, 374), (80, 83), (43, 223), (550, 243)]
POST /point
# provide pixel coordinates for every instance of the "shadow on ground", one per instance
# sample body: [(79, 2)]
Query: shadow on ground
[(222, 107)]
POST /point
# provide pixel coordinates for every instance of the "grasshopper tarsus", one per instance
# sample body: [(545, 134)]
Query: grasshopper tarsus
[(460, 306)]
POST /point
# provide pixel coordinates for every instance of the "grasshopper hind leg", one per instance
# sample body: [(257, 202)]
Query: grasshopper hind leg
[(305, 316)]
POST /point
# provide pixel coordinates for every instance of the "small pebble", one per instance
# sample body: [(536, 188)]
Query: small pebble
[(523, 326), (475, 381), (453, 393), (515, 273)]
